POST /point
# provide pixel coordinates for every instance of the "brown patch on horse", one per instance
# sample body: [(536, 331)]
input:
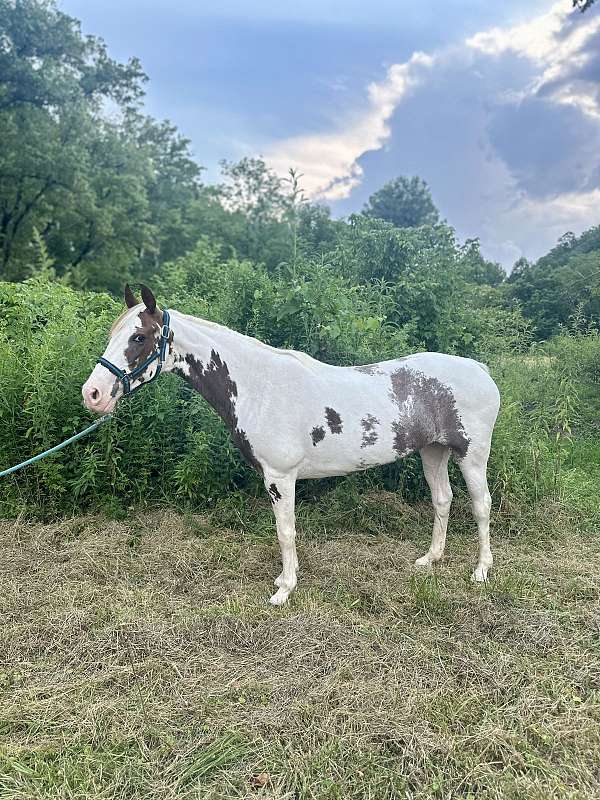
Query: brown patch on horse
[(149, 326), (370, 435), (334, 421), (274, 493), (217, 387), (432, 417), (317, 435)]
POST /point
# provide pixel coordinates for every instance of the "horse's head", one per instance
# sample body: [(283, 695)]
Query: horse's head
[(135, 352)]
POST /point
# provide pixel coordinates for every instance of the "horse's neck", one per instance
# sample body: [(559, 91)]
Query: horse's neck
[(197, 339)]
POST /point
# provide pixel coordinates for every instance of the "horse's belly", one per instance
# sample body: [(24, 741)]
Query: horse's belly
[(328, 464)]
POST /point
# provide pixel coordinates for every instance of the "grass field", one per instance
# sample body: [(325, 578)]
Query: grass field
[(140, 659)]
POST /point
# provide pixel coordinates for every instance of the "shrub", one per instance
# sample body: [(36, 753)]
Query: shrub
[(166, 444)]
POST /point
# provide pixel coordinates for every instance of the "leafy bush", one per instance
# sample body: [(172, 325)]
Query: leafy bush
[(160, 445), (547, 430), (166, 444)]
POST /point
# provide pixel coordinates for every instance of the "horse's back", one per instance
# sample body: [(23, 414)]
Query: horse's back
[(457, 371)]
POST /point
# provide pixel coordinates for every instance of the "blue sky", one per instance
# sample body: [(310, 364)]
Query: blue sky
[(496, 105)]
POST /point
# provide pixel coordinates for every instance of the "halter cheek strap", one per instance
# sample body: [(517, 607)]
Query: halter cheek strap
[(127, 378)]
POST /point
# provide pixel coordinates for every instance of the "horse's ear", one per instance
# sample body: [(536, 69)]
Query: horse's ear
[(148, 298), (130, 300)]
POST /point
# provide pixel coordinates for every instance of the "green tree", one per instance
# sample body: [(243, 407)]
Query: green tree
[(317, 232), (45, 61), (262, 204), (564, 282), (177, 201), (111, 198), (53, 82), (405, 202), (420, 267), (477, 269)]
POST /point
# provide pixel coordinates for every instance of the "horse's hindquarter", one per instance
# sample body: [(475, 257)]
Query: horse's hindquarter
[(320, 420), (464, 398), (472, 395)]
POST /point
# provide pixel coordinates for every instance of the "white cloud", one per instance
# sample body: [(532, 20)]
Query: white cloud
[(530, 227), (329, 161), (558, 52), (534, 39), (485, 185), (587, 103)]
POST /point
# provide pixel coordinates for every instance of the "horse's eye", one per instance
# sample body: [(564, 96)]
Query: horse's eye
[(139, 338)]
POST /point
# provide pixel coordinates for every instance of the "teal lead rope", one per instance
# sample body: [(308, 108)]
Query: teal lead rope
[(58, 447)]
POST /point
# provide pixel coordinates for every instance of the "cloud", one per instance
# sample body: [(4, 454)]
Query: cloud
[(548, 135), (564, 45), (504, 126), (547, 148), (329, 161), (534, 39), (564, 51), (572, 211)]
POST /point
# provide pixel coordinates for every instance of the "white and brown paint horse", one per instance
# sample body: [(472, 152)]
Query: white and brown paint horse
[(294, 417)]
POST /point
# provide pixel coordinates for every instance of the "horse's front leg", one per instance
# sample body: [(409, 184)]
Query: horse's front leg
[(282, 491)]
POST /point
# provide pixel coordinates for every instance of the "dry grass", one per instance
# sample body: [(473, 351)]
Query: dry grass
[(140, 659)]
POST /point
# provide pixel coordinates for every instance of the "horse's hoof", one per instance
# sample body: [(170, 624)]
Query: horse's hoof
[(480, 575), (424, 562), (280, 597)]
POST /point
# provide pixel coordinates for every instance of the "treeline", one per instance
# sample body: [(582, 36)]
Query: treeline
[(94, 192)]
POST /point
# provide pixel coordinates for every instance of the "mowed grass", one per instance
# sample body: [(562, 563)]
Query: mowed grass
[(140, 659)]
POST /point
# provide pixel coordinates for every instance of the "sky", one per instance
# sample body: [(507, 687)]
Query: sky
[(495, 105)]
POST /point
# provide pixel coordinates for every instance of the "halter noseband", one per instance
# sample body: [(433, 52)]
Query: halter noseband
[(127, 377)]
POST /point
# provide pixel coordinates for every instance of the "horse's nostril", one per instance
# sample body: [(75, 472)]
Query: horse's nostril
[(95, 394)]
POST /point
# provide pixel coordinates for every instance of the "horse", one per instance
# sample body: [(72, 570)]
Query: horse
[(294, 417)]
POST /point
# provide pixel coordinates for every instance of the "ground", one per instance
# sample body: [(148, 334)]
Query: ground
[(141, 659)]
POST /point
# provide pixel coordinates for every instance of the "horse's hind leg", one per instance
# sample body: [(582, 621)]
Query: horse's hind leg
[(281, 489), (474, 469), (435, 466)]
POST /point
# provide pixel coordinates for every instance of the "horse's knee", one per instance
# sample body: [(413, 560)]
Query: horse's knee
[(286, 538), (442, 502), (481, 509)]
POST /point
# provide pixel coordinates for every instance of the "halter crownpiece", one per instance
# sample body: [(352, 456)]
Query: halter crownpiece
[(126, 378)]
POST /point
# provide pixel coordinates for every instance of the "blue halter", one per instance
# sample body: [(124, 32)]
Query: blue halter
[(126, 378)]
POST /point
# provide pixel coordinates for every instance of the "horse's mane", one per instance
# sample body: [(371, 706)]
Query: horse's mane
[(298, 355)]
